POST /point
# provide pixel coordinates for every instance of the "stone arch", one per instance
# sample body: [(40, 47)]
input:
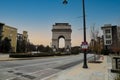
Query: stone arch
[(61, 36), (61, 30)]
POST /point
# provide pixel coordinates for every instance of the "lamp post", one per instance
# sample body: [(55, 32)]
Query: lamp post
[(65, 2), (84, 32), (84, 27)]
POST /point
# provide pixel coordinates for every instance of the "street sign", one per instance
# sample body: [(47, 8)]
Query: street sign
[(84, 45)]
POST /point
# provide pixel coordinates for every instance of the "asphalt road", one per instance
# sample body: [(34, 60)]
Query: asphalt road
[(37, 69)]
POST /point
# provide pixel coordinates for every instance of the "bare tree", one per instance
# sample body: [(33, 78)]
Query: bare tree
[(95, 41)]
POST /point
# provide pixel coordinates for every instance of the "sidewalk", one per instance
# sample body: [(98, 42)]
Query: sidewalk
[(5, 57), (95, 71)]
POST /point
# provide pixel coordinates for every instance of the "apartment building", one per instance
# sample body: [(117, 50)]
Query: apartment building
[(23, 36), (10, 33), (111, 34), (22, 41)]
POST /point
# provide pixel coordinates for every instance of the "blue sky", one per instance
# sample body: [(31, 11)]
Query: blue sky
[(38, 16)]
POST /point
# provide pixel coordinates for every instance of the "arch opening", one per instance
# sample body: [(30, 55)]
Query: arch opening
[(61, 43)]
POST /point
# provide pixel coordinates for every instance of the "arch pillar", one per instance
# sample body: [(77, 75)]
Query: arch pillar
[(68, 43)]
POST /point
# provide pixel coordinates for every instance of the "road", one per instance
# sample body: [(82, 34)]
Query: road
[(37, 69)]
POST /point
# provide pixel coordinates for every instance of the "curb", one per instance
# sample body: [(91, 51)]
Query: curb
[(15, 59), (30, 58)]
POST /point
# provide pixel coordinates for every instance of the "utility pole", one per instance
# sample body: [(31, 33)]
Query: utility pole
[(84, 27), (84, 31)]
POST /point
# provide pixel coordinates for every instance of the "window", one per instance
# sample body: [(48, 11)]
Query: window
[(107, 31), (108, 41), (108, 36)]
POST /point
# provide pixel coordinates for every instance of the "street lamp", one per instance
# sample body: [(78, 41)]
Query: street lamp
[(65, 2), (84, 32), (84, 27)]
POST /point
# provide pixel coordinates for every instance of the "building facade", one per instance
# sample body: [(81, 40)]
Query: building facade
[(10, 33), (111, 34), (22, 42), (23, 36)]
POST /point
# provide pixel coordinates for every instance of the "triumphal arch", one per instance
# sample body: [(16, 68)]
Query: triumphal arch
[(61, 30)]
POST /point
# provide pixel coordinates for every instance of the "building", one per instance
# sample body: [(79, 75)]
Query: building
[(10, 33), (1, 30), (23, 36), (111, 34), (22, 41)]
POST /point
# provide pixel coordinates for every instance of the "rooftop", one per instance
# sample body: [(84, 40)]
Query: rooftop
[(108, 26), (61, 24)]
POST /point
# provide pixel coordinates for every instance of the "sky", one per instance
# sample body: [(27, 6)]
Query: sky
[(38, 16)]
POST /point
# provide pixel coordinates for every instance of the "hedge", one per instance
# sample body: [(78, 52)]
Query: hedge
[(25, 55)]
